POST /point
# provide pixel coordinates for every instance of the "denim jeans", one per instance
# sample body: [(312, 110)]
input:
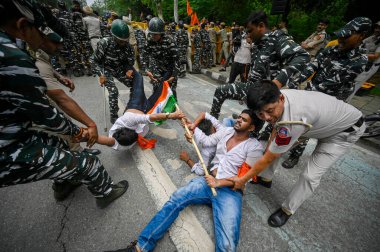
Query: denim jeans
[(138, 99), (226, 207)]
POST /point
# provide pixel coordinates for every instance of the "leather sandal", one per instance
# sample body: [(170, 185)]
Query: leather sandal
[(278, 218)]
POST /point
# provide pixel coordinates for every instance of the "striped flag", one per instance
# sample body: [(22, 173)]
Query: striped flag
[(165, 102)]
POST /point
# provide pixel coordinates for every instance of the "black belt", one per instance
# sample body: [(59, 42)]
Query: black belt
[(377, 64), (95, 37), (358, 124)]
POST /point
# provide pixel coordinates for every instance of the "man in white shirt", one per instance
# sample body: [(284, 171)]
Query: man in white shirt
[(234, 148), (208, 125), (242, 61), (298, 113)]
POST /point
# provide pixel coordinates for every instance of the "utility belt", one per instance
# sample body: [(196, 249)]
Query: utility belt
[(358, 124), (93, 37), (377, 64)]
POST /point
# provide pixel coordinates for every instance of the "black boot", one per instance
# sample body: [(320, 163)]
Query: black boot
[(117, 190), (260, 181)]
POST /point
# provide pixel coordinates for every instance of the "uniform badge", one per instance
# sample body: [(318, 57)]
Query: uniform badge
[(282, 137)]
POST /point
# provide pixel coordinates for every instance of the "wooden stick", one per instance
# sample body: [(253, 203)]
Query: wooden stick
[(198, 152)]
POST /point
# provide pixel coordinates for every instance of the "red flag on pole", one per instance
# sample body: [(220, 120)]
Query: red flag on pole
[(194, 19)]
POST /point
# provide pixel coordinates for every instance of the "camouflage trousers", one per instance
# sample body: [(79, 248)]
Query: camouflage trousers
[(197, 60), (207, 56), (41, 156), (141, 59), (113, 92), (182, 53), (233, 91)]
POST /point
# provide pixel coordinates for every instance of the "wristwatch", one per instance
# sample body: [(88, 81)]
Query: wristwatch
[(167, 115)]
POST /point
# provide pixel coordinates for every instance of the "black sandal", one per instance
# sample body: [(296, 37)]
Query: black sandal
[(278, 218)]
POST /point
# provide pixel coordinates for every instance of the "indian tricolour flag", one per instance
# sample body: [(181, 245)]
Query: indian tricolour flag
[(165, 101)]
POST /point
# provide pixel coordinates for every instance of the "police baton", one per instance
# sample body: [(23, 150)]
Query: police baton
[(104, 104), (198, 152)]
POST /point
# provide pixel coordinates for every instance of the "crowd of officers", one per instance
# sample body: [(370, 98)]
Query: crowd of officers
[(110, 50)]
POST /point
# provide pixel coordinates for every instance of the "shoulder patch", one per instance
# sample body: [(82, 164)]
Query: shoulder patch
[(282, 137)]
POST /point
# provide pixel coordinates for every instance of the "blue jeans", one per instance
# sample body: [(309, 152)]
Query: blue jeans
[(138, 99), (226, 209)]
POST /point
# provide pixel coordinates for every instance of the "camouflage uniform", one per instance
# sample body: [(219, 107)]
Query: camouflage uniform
[(27, 155), (197, 53), (206, 48), (115, 61), (141, 43), (335, 73), (67, 54), (162, 60), (275, 56), (83, 46), (182, 42)]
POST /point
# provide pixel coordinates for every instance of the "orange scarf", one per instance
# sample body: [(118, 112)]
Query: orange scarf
[(146, 143)]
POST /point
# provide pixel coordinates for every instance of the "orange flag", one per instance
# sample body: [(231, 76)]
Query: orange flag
[(194, 19), (189, 9)]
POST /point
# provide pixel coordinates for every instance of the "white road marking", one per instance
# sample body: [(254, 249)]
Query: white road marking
[(186, 232), (165, 133)]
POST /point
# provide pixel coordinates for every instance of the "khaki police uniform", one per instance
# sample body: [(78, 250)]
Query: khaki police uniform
[(337, 126), (212, 35), (225, 44)]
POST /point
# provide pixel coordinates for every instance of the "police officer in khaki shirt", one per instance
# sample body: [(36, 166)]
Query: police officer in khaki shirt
[(212, 35), (297, 113)]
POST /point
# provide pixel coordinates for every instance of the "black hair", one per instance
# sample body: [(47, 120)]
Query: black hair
[(324, 21), (76, 2), (262, 93), (8, 12), (125, 136), (258, 17), (206, 126), (203, 25), (258, 123)]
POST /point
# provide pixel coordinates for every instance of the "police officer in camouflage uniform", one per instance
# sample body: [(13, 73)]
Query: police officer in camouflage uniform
[(197, 41), (114, 58), (27, 155), (141, 43), (275, 56), (336, 69), (67, 54), (182, 41), (162, 56), (206, 46)]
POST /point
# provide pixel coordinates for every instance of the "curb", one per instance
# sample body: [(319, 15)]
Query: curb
[(214, 75)]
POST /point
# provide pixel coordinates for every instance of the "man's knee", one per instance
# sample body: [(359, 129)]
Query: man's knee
[(312, 181)]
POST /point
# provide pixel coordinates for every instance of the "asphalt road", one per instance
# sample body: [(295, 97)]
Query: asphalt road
[(342, 215)]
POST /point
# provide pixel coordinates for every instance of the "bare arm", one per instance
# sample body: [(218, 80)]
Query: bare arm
[(105, 140)]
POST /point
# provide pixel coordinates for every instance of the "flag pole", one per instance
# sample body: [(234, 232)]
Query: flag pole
[(197, 150)]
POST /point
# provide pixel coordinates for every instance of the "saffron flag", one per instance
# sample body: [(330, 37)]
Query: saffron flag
[(194, 19), (165, 102), (189, 9)]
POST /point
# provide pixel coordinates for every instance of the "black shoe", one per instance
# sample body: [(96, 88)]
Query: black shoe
[(117, 190), (213, 65), (235, 116), (92, 151), (130, 248), (263, 136), (63, 189), (260, 181), (278, 218), (114, 118), (222, 70), (290, 162)]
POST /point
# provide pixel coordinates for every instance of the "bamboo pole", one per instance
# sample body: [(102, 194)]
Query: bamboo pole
[(198, 152)]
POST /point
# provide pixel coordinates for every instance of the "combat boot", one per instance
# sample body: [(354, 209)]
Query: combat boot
[(117, 190), (63, 189), (290, 162)]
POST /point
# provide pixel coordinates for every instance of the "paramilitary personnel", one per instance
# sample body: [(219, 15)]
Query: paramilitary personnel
[(27, 155), (335, 70), (182, 41), (206, 47), (197, 41), (141, 43), (275, 56), (114, 58), (162, 56)]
